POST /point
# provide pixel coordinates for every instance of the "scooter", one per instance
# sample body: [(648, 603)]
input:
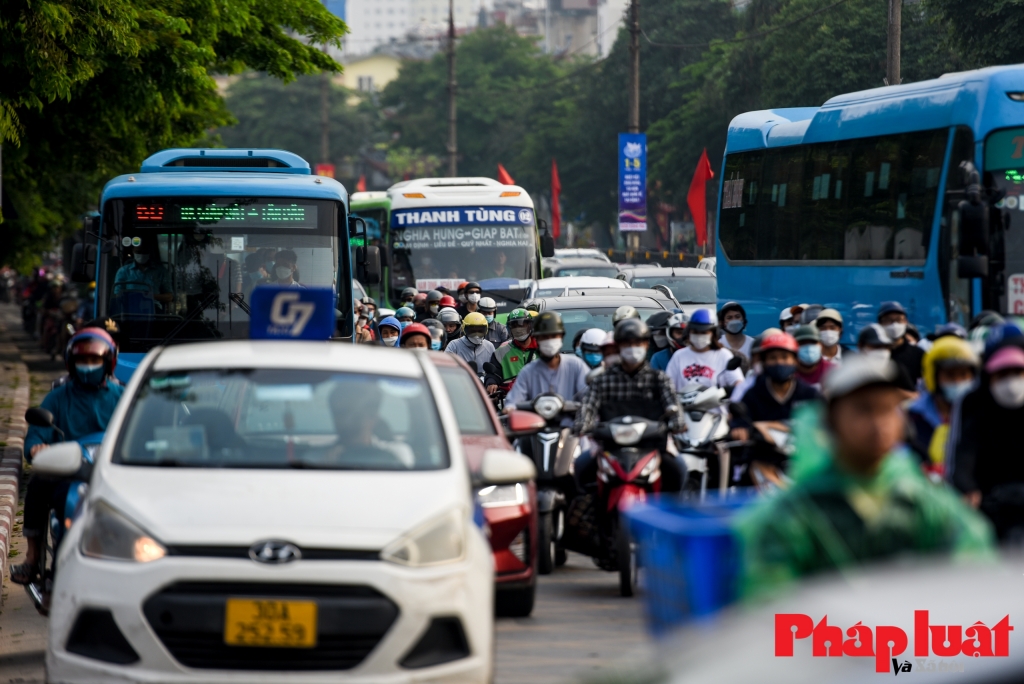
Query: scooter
[(59, 521), (703, 447), (553, 451)]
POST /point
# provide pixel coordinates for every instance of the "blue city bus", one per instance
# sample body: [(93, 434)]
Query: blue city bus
[(859, 201), (202, 222)]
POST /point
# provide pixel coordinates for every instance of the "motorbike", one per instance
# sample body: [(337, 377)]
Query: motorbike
[(59, 521), (703, 447), (628, 469), (553, 451)]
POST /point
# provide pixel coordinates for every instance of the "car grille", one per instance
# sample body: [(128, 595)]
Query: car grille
[(188, 617)]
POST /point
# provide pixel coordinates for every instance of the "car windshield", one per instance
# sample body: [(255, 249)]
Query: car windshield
[(688, 290), (570, 271), (275, 418), (575, 320)]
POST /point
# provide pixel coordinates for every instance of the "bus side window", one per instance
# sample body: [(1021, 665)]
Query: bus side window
[(957, 290)]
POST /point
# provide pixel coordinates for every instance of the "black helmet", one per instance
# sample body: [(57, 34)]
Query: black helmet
[(434, 296), (810, 314), (732, 306), (368, 301), (631, 330), (472, 285), (409, 293), (548, 323), (659, 321)]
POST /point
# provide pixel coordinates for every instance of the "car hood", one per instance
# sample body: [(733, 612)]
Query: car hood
[(311, 508)]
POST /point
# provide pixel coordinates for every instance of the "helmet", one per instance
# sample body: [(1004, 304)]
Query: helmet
[(436, 329), (954, 329), (449, 315), (592, 340), (767, 332), (434, 296), (405, 312), (88, 335), (447, 300), (409, 293), (986, 319), (675, 322), (947, 352), (548, 323), (856, 373), (701, 321), (415, 329), (890, 307), (631, 330), (487, 304), (779, 340), (474, 320), (462, 287), (624, 312), (368, 301), (829, 315), (659, 321), (518, 315), (472, 285), (420, 299), (810, 313), (732, 306), (874, 335), (807, 333)]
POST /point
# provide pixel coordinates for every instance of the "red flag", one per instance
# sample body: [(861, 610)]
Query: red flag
[(503, 176), (361, 185), (696, 198), (556, 193)]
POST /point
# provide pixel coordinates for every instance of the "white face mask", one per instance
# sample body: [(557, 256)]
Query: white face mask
[(283, 272), (612, 360), (1009, 392), (475, 339), (829, 338), (700, 341), (633, 355), (550, 347), (660, 340), (895, 330), (879, 354), (519, 334), (434, 308), (389, 341), (791, 328), (473, 298)]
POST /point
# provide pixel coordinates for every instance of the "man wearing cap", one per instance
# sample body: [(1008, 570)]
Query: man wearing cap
[(811, 367), (856, 496), (893, 318), (732, 318), (982, 461), (830, 330)]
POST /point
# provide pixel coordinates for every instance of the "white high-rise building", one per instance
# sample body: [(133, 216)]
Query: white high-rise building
[(373, 23)]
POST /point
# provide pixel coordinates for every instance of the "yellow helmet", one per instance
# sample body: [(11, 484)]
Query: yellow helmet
[(949, 350), (474, 319)]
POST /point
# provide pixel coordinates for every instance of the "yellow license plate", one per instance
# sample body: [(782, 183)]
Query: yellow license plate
[(270, 622)]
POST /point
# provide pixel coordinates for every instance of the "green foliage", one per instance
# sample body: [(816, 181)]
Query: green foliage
[(115, 81), (984, 33)]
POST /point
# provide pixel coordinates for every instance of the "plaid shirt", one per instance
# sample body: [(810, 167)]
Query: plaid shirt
[(616, 385)]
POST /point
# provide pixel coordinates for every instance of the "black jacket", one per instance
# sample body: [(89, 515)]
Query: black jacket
[(983, 449), (761, 405)]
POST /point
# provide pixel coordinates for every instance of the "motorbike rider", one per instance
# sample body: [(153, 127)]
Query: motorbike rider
[(497, 334), (552, 371), (452, 322), (658, 324), (830, 330), (512, 356), (473, 295), (590, 347), (893, 318), (622, 313), (419, 306), (473, 347), (405, 316), (949, 371), (789, 318), (433, 305), (389, 330), (438, 338), (676, 337), (371, 307), (80, 407), (364, 331), (875, 342), (630, 387), (732, 318), (856, 496), (416, 336), (811, 367), (409, 296), (704, 360)]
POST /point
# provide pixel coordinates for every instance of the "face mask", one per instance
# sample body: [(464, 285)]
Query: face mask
[(489, 318), (283, 272), (435, 345), (593, 359), (404, 323), (809, 354), (90, 375), (660, 340), (791, 328), (475, 339), (700, 342), (734, 326), (780, 372), (878, 354), (141, 259), (550, 347), (520, 334), (829, 338), (269, 267), (612, 360), (633, 355), (954, 390), (895, 330), (1009, 393), (474, 298), (389, 341), (756, 368), (434, 308)]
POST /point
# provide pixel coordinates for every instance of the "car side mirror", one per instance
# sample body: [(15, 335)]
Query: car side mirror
[(734, 363), (59, 461), (39, 417), (523, 424), (500, 467)]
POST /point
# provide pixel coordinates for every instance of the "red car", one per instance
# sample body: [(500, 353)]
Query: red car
[(511, 510)]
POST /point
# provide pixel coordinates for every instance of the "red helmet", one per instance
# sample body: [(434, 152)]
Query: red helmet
[(447, 300), (783, 341), (89, 335), (415, 329)]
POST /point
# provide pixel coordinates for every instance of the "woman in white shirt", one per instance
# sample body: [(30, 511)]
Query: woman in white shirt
[(703, 360)]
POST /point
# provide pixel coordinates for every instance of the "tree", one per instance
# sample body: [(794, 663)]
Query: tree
[(91, 88), (983, 33)]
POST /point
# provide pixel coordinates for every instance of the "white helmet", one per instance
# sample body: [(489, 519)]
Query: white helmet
[(592, 339), (487, 304)]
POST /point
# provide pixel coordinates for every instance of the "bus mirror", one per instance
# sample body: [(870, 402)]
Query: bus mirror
[(385, 256), (356, 226), (547, 245), (972, 266), (83, 262), (368, 265)]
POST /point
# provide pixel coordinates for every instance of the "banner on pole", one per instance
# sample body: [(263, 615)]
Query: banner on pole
[(632, 181)]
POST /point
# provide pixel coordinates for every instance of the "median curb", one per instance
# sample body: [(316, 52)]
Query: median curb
[(14, 398)]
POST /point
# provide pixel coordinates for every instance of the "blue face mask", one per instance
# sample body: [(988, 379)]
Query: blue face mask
[(405, 323), (593, 359), (809, 354), (435, 345), (90, 375), (490, 318)]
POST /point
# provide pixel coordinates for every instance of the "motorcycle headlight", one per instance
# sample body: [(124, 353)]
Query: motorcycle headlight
[(650, 467), (111, 536), (626, 434), (439, 541), (496, 496), (547, 407)]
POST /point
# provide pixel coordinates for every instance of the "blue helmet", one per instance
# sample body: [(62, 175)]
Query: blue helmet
[(405, 312), (700, 321), (890, 307)]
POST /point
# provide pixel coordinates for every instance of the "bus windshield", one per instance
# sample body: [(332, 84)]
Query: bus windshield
[(184, 268)]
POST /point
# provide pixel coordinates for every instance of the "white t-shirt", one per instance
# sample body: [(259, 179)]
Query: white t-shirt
[(707, 368), (748, 344)]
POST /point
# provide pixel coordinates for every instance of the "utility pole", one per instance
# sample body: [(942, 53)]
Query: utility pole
[(453, 144), (634, 66), (892, 62), (325, 120)]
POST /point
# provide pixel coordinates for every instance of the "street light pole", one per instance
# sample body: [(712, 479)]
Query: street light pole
[(634, 66), (453, 145), (892, 65)]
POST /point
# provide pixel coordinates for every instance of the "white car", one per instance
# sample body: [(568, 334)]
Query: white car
[(581, 253), (571, 285), (264, 510)]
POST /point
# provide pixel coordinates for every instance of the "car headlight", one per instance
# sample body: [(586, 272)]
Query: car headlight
[(442, 540), (502, 495), (626, 434), (547, 407), (111, 536)]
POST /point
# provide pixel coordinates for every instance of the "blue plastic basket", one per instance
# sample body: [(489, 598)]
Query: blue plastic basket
[(689, 555)]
